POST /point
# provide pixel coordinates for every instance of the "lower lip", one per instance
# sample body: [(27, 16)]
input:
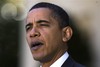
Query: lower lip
[(36, 47)]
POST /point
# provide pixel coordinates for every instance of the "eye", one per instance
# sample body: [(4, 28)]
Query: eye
[(28, 27), (44, 24)]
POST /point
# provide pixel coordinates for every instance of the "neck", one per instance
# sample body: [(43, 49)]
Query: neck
[(56, 57)]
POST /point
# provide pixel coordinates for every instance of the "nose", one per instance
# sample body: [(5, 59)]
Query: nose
[(34, 33)]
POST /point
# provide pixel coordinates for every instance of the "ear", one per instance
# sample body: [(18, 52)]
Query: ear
[(67, 33)]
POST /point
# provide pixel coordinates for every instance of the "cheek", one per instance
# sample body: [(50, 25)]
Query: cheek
[(51, 38), (48, 39)]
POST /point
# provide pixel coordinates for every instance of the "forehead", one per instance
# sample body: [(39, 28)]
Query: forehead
[(39, 13)]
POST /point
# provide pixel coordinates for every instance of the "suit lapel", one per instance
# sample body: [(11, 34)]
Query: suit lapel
[(68, 63)]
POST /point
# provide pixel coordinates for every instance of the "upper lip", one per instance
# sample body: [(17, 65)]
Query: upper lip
[(36, 43)]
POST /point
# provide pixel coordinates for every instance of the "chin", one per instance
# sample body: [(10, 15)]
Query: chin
[(42, 59), (38, 58)]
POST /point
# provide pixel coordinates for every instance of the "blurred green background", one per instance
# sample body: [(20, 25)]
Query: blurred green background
[(9, 35)]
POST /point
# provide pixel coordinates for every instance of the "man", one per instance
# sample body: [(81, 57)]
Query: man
[(47, 33)]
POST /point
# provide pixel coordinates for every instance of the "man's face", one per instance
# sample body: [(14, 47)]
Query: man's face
[(43, 34)]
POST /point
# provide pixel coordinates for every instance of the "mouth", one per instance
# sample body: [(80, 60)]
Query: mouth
[(36, 45)]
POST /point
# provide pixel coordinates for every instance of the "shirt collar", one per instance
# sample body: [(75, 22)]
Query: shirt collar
[(60, 61)]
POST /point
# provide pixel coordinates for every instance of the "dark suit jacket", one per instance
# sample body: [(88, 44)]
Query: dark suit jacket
[(71, 63)]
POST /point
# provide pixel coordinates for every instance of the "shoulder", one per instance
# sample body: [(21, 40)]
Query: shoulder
[(71, 63), (77, 65)]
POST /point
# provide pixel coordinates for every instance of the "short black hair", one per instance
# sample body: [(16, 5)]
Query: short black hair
[(59, 13)]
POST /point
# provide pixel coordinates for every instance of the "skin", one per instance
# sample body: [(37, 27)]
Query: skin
[(42, 27)]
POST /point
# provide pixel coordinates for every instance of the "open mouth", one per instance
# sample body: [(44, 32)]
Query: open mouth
[(36, 45)]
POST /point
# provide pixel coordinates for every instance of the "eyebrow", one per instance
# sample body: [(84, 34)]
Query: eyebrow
[(40, 21)]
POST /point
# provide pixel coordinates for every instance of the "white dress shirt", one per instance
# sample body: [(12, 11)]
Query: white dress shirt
[(60, 61)]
